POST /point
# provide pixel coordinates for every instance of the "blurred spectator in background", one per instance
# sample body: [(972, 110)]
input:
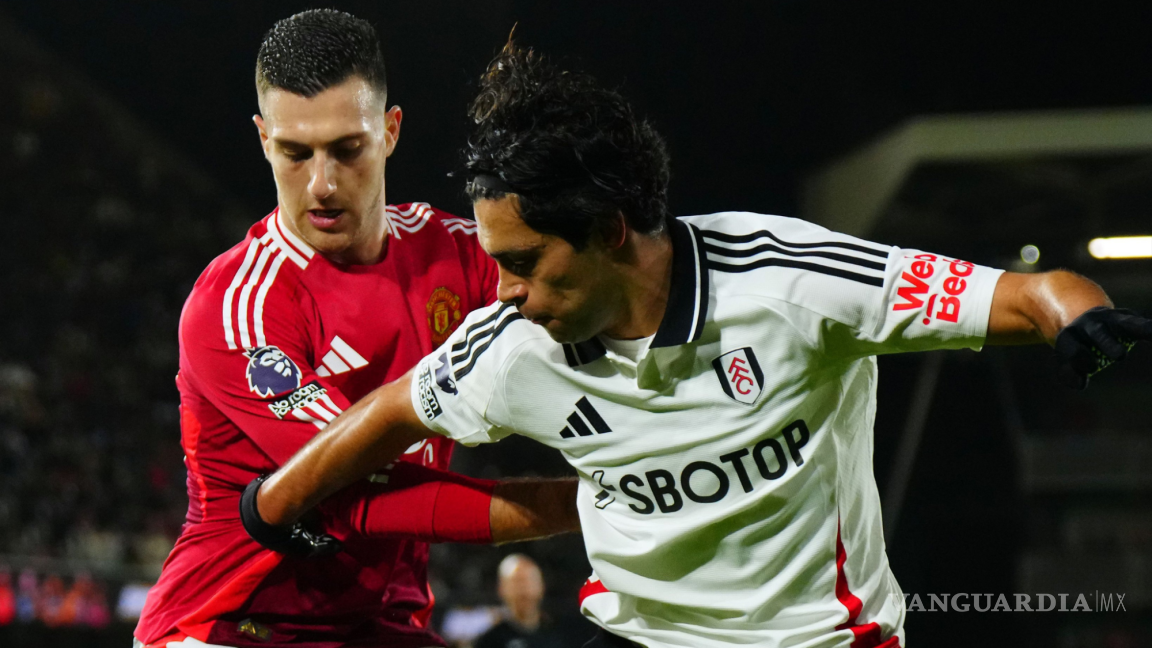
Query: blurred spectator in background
[(462, 626), (153, 545), (86, 605), (7, 599), (50, 604), (131, 601), (521, 587), (26, 596)]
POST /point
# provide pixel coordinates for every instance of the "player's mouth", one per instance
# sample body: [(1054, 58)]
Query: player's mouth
[(323, 219)]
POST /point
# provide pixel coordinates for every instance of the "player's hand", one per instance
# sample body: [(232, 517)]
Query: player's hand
[(294, 540), (1095, 340)]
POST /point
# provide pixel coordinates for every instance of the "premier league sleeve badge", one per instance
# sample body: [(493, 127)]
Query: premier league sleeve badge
[(270, 371)]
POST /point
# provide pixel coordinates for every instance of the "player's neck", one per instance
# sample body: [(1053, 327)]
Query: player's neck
[(373, 246), (369, 251), (526, 619), (646, 284)]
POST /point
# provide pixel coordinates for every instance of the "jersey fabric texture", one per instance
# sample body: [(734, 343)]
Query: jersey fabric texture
[(727, 494), (275, 341)]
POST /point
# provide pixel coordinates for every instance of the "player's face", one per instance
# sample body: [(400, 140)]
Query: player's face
[(328, 154), (522, 589), (573, 295)]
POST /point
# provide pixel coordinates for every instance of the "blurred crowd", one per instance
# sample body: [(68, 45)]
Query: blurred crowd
[(106, 230), (52, 602)]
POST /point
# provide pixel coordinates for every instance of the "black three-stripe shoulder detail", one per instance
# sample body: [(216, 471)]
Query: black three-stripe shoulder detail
[(477, 332), (479, 351), (752, 236), (768, 247), (720, 266)]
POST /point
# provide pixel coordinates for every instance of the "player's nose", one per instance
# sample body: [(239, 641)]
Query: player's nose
[(323, 182), (511, 289)]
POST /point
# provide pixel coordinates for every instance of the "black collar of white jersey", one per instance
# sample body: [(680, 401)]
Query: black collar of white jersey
[(688, 295), (687, 307)]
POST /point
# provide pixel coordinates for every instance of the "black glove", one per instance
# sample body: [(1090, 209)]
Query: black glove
[(1096, 339), (294, 540)]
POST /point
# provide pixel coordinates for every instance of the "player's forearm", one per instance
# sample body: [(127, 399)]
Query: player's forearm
[(1033, 308), (367, 436), (419, 503), (439, 506), (528, 509)]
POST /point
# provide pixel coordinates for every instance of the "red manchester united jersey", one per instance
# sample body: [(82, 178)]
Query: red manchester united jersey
[(275, 341)]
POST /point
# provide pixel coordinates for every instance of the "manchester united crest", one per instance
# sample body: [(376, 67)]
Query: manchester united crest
[(443, 314)]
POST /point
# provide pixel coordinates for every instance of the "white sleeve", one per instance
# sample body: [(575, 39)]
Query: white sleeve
[(854, 298), (457, 390), (927, 301)]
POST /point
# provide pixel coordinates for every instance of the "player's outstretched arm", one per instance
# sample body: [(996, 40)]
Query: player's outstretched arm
[(431, 505), (365, 438), (372, 434), (1033, 308), (530, 509), (1069, 312)]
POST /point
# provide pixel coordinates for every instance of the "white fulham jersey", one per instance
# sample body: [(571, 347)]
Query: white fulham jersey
[(726, 494)]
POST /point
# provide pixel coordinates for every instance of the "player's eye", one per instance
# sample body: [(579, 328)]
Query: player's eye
[(348, 152), (520, 267), (297, 155)]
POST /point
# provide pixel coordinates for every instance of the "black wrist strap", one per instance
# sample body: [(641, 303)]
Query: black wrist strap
[(266, 534)]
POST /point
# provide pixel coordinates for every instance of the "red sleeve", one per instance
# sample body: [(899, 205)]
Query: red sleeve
[(250, 354), (414, 501)]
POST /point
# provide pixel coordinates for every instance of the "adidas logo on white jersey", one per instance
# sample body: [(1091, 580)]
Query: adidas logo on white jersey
[(575, 422)]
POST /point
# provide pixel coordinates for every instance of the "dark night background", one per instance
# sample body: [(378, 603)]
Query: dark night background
[(753, 98), (750, 95)]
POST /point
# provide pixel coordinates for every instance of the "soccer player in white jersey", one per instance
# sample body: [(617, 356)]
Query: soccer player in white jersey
[(711, 378)]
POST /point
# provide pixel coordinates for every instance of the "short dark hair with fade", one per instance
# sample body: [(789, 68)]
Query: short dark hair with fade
[(573, 152), (316, 49)]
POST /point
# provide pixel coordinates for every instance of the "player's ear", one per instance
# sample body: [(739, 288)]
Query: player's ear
[(392, 120), (613, 231), (259, 121)]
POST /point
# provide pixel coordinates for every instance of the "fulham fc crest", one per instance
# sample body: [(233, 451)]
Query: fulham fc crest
[(740, 375)]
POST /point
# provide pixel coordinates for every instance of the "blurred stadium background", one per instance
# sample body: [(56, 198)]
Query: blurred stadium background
[(128, 161)]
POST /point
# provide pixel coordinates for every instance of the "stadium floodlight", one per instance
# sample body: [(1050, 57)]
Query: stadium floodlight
[(1121, 247), (1030, 254)]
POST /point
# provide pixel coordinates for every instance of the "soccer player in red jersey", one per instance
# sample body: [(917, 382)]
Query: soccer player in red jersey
[(331, 295)]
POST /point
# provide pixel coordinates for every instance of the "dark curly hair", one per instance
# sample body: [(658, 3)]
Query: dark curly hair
[(311, 51), (574, 153)]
